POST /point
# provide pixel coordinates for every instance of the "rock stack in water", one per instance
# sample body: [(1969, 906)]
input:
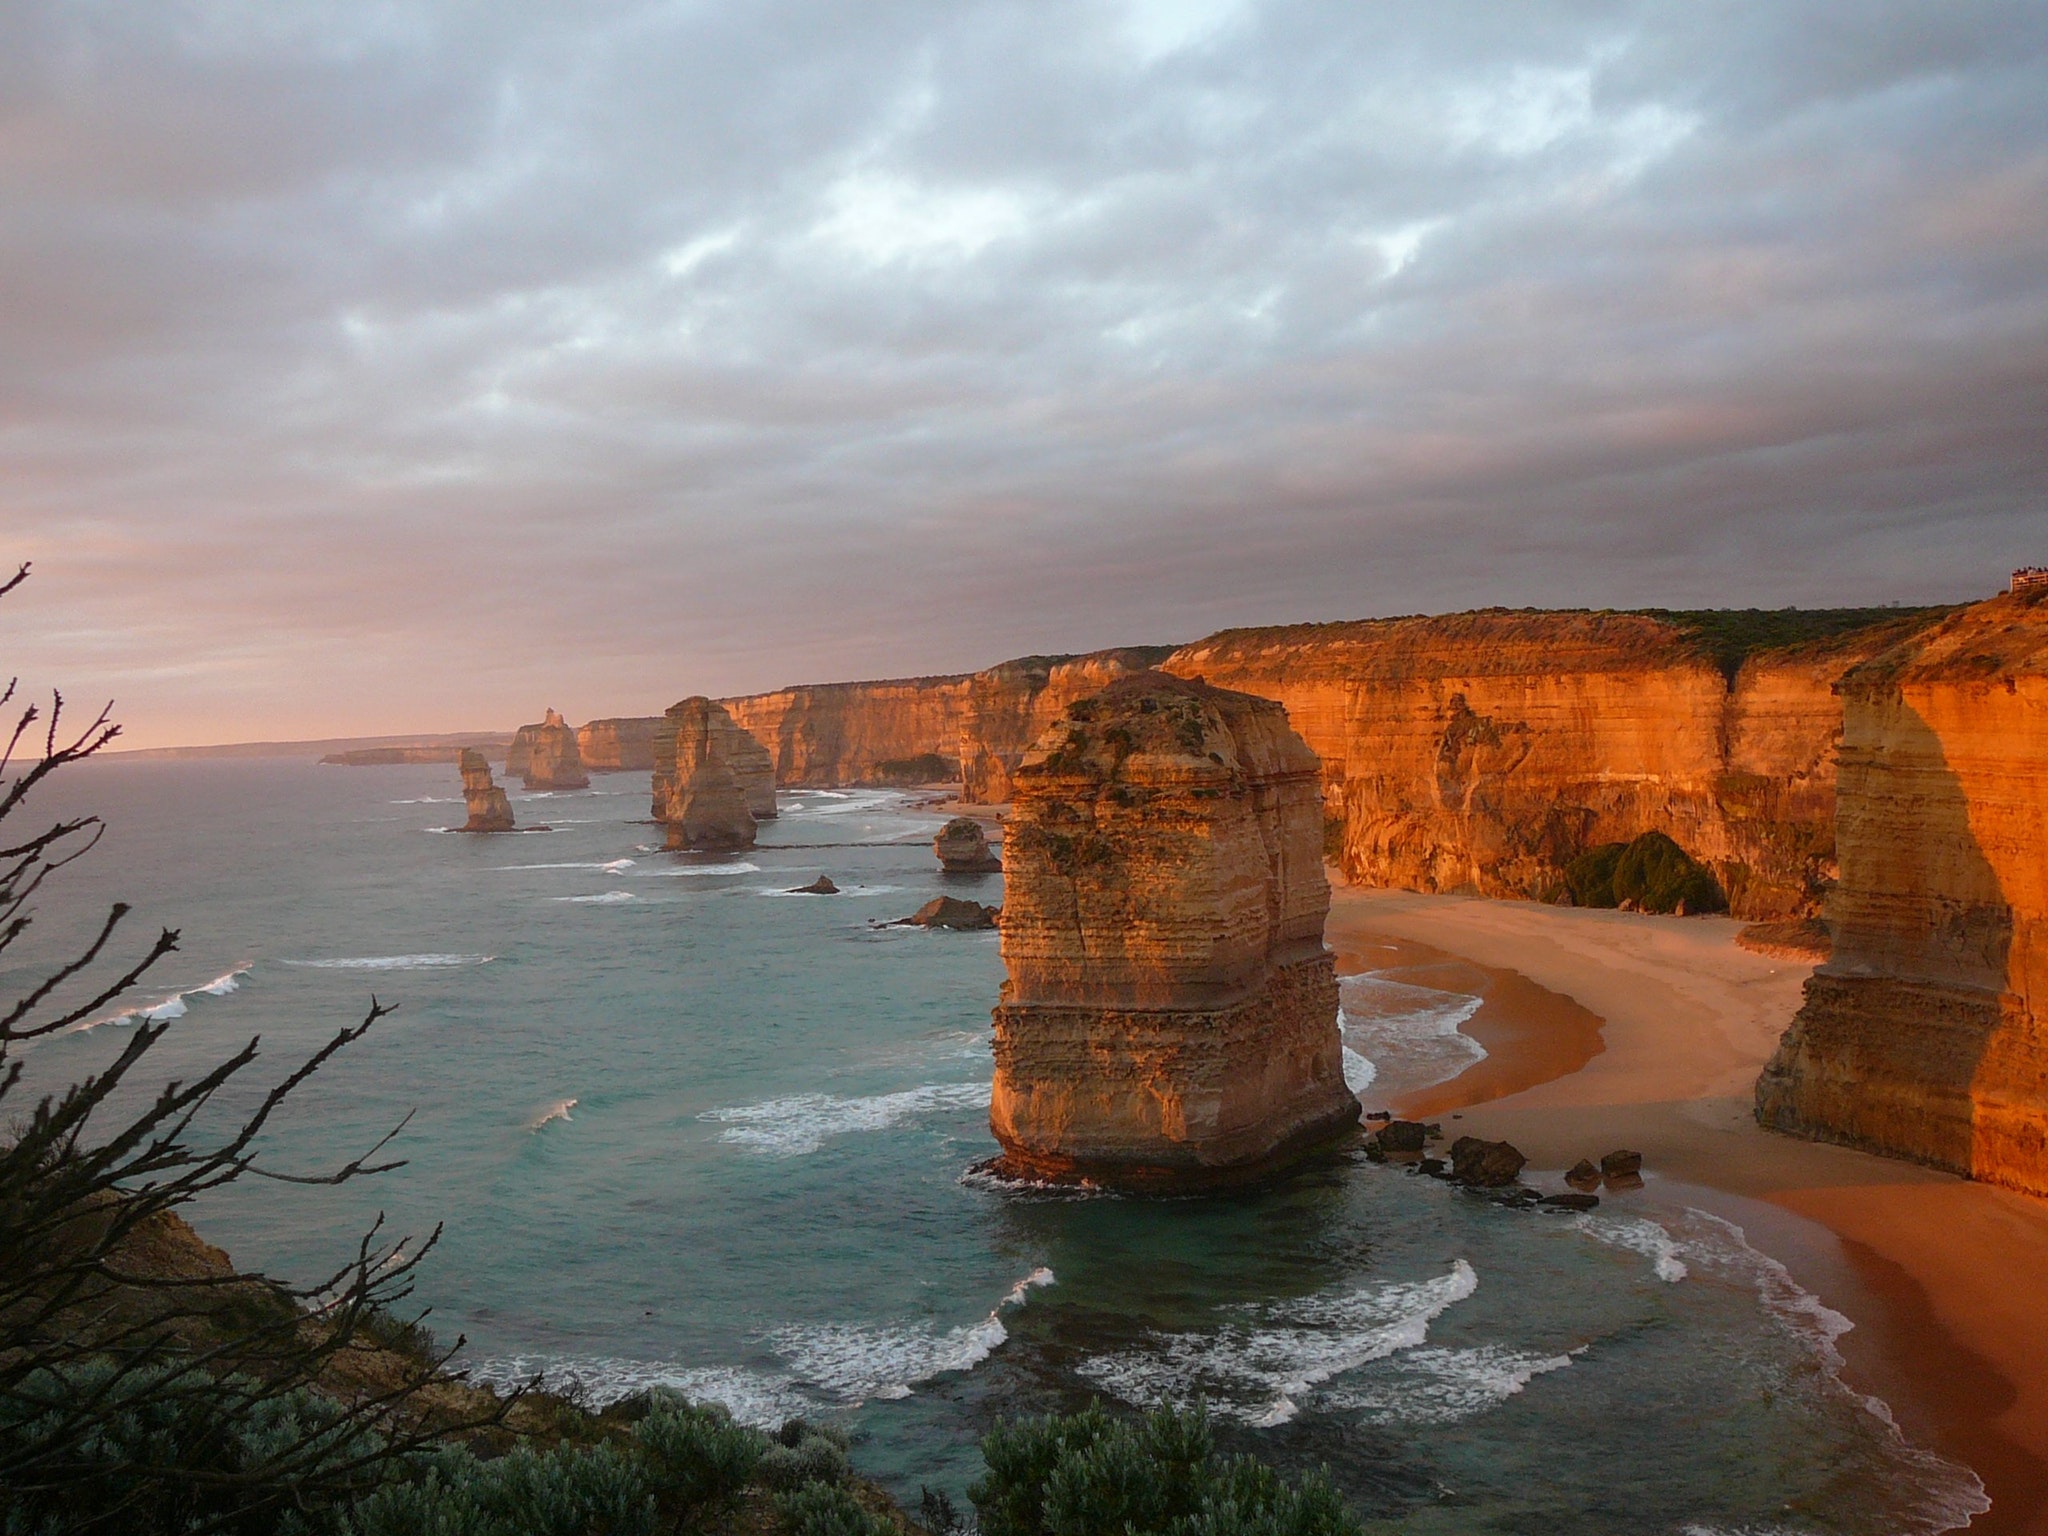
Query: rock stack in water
[(1925, 1034), (545, 756), (489, 810), (1170, 1017), (708, 778), (963, 848)]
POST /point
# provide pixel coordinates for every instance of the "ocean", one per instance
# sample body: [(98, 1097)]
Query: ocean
[(678, 1126)]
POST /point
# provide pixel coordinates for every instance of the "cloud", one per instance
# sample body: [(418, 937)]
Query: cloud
[(396, 366)]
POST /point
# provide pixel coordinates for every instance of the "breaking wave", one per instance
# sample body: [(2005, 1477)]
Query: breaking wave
[(1410, 1036), (854, 1363), (392, 962), (1261, 1371), (174, 1006), (559, 1110)]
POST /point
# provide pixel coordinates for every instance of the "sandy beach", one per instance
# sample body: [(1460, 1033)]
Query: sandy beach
[(1946, 1280)]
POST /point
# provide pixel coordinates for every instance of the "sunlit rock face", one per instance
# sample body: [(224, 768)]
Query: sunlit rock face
[(489, 810), (622, 745), (705, 776), (545, 756), (1009, 707), (1923, 1035), (1169, 1021), (962, 848), (1484, 751)]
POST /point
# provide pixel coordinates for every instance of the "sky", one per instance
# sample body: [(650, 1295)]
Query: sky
[(377, 367)]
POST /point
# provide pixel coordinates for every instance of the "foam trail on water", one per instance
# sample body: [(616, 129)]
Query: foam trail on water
[(604, 864), (1411, 1036), (1260, 1371), (392, 962), (1442, 1386), (752, 1397), (602, 898), (803, 1123), (741, 868)]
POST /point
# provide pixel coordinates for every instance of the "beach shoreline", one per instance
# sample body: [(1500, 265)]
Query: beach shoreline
[(1945, 1280)]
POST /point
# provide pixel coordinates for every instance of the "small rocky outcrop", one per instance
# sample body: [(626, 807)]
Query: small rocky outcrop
[(963, 848), (489, 810), (546, 756), (951, 912), (822, 886), (698, 791), (1621, 1165), (1583, 1175), (1170, 1017), (1485, 1164), (1401, 1136)]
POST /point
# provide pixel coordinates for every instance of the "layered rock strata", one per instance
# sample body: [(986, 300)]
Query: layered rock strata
[(1485, 751), (963, 848), (1009, 706), (704, 777), (1926, 1033), (1170, 1015), (620, 745), (489, 810), (544, 756)]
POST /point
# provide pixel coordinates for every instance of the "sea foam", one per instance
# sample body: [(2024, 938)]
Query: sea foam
[(804, 1122), (1259, 1371), (1409, 1035), (174, 1006), (855, 1363), (431, 962)]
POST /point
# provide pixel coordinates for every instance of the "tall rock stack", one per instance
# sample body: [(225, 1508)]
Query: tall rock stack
[(1170, 1017), (549, 759), (1926, 1034), (706, 780), (489, 810)]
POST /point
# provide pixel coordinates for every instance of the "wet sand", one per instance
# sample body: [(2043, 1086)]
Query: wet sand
[(1946, 1280)]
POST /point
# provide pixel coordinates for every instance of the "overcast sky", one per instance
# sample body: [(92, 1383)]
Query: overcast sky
[(375, 367)]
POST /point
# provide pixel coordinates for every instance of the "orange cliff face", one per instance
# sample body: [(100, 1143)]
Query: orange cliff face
[(1010, 706), (620, 745), (1484, 751), (709, 775), (1926, 1034), (544, 756), (1170, 1017)]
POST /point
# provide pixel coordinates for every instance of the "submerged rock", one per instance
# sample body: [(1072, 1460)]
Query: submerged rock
[(1170, 1017), (489, 810), (963, 848), (1485, 1164), (951, 912), (1570, 1202)]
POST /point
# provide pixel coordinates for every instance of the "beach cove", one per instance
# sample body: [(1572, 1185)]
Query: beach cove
[(1943, 1278)]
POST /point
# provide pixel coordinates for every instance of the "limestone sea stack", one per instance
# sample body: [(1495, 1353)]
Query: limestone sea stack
[(1170, 1018), (699, 792), (963, 848), (489, 810), (550, 760), (1925, 1035)]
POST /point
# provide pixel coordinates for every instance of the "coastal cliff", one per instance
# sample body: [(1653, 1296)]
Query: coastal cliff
[(1009, 706), (544, 756), (1926, 1033), (489, 810), (1484, 751), (704, 777), (1170, 1015), (621, 745)]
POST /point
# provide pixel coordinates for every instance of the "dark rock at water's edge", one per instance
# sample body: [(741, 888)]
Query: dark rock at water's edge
[(963, 848), (489, 810), (822, 886), (1617, 1165), (1583, 1175), (951, 912), (1570, 1202), (1485, 1164), (1400, 1136)]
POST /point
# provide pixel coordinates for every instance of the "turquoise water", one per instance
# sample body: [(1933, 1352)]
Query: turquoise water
[(680, 1126)]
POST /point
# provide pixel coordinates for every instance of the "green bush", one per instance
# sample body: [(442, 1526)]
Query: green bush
[(820, 1509), (814, 1459), (569, 1491), (1087, 1474), (1652, 873), (698, 1454)]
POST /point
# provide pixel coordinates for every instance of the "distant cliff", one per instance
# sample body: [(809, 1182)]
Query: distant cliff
[(544, 756), (1483, 751), (623, 745), (925, 729), (1926, 1034)]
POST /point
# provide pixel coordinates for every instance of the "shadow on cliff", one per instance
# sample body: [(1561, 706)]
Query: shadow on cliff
[(1901, 1045)]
